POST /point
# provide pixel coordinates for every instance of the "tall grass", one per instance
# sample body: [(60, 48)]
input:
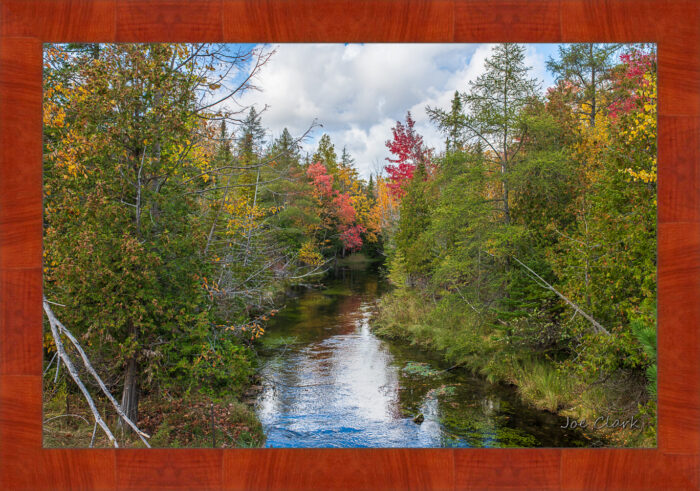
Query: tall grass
[(466, 339), (543, 385)]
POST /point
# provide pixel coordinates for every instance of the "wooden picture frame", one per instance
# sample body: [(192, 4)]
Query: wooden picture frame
[(26, 24)]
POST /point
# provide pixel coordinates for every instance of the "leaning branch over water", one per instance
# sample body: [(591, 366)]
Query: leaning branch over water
[(541, 281)]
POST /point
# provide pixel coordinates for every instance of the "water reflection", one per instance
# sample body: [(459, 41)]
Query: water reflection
[(330, 382)]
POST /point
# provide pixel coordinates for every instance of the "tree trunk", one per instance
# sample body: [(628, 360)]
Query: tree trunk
[(130, 395), (593, 82)]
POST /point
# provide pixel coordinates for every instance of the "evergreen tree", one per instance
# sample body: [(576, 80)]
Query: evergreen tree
[(325, 153), (250, 143), (413, 222), (251, 137), (450, 123), (585, 66), (346, 159)]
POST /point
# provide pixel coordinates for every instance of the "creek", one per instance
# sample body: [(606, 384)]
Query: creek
[(329, 381)]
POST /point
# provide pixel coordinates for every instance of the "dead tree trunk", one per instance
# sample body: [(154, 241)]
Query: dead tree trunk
[(130, 395)]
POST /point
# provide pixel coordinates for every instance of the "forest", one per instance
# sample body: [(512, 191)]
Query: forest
[(175, 224)]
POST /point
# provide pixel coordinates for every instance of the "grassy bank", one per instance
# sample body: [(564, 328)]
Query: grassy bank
[(451, 328)]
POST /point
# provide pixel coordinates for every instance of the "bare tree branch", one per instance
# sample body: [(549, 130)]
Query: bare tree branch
[(53, 322), (597, 326), (62, 329)]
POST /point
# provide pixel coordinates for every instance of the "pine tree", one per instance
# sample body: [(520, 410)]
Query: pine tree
[(252, 135), (325, 153), (494, 102), (450, 123), (585, 67), (413, 222), (250, 143)]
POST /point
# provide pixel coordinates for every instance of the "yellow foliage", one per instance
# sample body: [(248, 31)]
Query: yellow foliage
[(639, 131), (387, 208), (309, 254)]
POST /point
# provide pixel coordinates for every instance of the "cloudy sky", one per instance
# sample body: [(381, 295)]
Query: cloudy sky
[(358, 92)]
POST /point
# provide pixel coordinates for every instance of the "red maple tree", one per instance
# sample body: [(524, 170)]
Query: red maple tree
[(408, 149)]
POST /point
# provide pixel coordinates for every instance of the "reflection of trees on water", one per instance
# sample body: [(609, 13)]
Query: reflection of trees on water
[(339, 384)]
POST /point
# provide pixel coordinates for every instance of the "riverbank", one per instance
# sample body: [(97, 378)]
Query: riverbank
[(172, 422), (448, 328)]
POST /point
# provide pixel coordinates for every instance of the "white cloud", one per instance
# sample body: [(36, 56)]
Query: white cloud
[(358, 92)]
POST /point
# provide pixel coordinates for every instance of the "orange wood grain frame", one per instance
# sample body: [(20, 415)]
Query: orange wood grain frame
[(673, 24)]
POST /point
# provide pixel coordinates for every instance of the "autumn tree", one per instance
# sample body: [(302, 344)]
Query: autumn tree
[(125, 155), (409, 151)]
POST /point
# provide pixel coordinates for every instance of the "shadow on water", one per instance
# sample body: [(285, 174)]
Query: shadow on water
[(330, 382)]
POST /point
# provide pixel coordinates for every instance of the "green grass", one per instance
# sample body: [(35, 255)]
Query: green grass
[(542, 385)]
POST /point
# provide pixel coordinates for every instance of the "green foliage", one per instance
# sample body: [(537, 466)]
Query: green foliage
[(646, 335)]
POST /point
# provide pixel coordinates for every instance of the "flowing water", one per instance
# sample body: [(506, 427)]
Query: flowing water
[(328, 381)]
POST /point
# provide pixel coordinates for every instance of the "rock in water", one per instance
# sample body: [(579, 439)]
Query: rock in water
[(419, 419)]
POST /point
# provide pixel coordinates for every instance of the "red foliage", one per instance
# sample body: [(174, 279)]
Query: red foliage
[(407, 146), (342, 207), (323, 182), (351, 237), (635, 65), (399, 177)]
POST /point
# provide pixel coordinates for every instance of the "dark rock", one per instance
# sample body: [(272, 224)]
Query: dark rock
[(419, 419)]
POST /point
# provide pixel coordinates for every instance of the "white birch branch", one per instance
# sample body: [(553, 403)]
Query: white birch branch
[(97, 378), (74, 374), (596, 325)]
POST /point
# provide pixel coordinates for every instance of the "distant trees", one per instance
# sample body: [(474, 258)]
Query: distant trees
[(584, 68), (347, 211)]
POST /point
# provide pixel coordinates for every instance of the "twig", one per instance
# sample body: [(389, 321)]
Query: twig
[(94, 430), (58, 367), (50, 363)]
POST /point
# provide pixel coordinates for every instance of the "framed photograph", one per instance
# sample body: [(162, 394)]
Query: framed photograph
[(401, 244)]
